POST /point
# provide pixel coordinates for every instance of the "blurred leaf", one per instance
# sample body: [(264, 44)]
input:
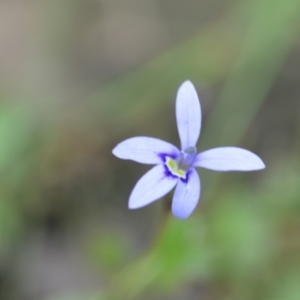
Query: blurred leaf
[(287, 284), (109, 249), (281, 188), (11, 224), (16, 132), (272, 32), (205, 58), (177, 255), (16, 128), (79, 296), (241, 235)]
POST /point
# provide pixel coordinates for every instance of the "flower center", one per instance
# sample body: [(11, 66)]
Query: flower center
[(179, 167)]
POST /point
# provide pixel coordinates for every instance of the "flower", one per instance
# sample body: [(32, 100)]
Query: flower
[(177, 168)]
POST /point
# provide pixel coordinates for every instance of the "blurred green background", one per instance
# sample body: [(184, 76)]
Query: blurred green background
[(79, 76)]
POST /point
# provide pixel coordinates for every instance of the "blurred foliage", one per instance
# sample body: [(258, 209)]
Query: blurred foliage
[(109, 250), (76, 297), (16, 136), (61, 192)]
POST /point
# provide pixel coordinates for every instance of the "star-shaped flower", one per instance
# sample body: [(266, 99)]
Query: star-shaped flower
[(177, 168)]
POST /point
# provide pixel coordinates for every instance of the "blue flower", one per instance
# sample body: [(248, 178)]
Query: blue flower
[(177, 168)]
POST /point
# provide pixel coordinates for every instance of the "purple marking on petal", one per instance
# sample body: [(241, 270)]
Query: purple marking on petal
[(163, 158), (187, 176), (164, 155), (167, 172)]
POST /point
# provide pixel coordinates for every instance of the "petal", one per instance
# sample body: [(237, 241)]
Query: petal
[(144, 150), (229, 159), (186, 196), (152, 186), (188, 115)]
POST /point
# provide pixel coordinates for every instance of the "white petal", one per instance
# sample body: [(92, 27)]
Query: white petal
[(186, 196), (152, 186), (188, 115), (144, 150), (229, 159)]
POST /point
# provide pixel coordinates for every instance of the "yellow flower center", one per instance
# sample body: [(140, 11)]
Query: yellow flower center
[(174, 168)]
